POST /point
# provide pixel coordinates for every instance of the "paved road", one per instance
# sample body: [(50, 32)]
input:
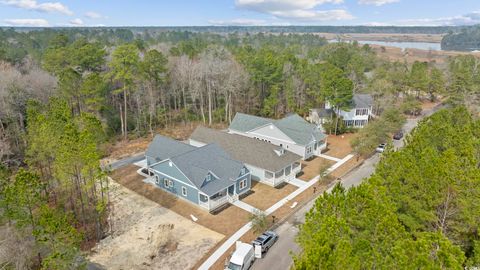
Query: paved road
[(279, 255), (126, 161)]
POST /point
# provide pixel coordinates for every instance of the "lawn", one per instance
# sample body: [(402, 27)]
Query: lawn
[(263, 196)]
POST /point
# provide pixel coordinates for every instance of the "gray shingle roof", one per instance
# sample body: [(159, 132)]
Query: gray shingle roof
[(195, 163), (294, 126), (250, 151), (362, 101), (162, 148)]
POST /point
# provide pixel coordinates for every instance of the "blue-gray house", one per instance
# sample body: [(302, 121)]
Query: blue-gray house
[(206, 176)]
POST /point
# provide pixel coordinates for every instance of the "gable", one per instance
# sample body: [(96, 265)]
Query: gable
[(172, 171), (271, 131)]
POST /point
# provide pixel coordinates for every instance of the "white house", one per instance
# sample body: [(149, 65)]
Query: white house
[(358, 116), (292, 133)]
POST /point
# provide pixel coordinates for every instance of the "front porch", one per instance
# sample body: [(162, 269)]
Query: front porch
[(285, 174), (218, 199)]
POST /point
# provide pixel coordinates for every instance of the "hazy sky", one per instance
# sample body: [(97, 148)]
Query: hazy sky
[(238, 12)]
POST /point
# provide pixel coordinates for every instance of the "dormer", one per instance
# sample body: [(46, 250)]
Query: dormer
[(243, 171)]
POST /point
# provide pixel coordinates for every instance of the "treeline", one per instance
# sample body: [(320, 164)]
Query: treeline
[(75, 91), (467, 39), (59, 201), (418, 211)]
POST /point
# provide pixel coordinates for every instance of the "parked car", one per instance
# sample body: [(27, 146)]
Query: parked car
[(242, 258), (398, 135), (381, 148), (266, 240)]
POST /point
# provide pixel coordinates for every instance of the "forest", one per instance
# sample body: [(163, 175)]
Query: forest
[(419, 210), (67, 94), (468, 39)]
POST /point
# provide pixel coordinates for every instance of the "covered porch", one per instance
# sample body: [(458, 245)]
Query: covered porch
[(289, 172), (218, 199)]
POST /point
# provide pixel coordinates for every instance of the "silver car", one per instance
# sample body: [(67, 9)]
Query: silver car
[(266, 240), (381, 148)]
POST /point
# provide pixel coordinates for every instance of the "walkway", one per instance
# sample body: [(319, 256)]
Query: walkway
[(339, 163), (297, 182), (245, 206), (329, 157), (230, 241)]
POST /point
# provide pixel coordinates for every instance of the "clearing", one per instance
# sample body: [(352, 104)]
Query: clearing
[(225, 222), (148, 236)]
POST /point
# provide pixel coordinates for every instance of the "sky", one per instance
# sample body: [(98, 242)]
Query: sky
[(45, 13)]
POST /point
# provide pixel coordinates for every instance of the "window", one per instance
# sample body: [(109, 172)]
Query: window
[(184, 191), (287, 170), (243, 184), (242, 171), (209, 178), (359, 112), (168, 183), (203, 198), (157, 180)]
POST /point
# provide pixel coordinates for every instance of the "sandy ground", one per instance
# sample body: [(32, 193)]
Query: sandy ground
[(148, 236)]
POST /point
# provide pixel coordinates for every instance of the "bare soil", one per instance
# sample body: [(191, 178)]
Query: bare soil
[(263, 196), (226, 221), (148, 236)]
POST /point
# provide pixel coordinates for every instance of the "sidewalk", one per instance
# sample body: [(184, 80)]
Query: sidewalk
[(230, 241)]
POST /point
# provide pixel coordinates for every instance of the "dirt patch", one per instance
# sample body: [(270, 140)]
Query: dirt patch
[(263, 196), (147, 236), (312, 168), (339, 146), (226, 222)]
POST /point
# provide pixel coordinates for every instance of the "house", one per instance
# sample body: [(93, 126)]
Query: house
[(206, 176), (292, 133), (357, 117), (267, 163)]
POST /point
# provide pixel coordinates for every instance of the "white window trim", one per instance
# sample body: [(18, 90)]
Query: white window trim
[(184, 191), (242, 184), (157, 180)]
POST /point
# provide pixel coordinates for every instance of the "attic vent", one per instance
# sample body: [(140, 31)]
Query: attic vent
[(271, 126), (279, 152), (170, 163)]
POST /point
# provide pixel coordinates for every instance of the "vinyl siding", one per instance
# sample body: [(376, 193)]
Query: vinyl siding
[(172, 171), (247, 187), (192, 193)]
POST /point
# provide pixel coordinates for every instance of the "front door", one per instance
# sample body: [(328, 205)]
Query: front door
[(231, 190)]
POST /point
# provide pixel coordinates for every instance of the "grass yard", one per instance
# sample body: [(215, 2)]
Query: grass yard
[(339, 146), (263, 196), (312, 167)]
